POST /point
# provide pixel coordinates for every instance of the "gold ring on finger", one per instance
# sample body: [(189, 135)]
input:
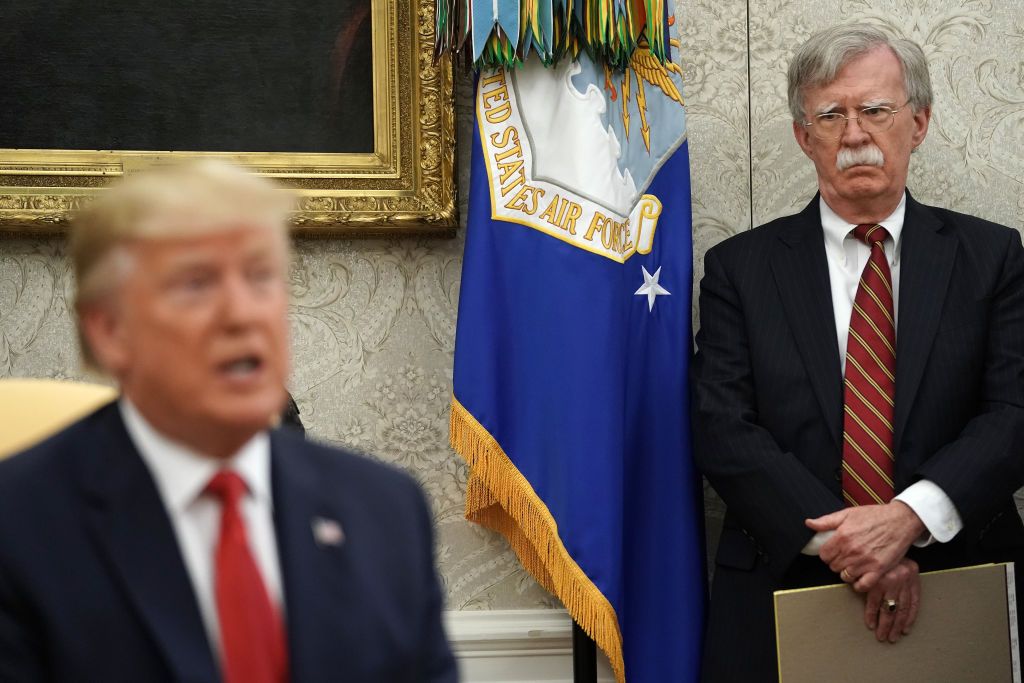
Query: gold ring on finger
[(890, 605)]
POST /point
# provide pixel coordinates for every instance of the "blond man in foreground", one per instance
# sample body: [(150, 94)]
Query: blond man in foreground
[(172, 535)]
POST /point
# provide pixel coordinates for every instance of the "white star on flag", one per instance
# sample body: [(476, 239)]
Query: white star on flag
[(650, 288)]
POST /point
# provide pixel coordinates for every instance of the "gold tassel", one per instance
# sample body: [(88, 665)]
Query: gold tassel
[(500, 498)]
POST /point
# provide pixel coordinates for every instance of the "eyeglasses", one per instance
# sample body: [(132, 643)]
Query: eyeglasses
[(831, 125)]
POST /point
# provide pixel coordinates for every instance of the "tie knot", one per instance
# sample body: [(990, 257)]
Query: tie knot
[(870, 233), (227, 486)]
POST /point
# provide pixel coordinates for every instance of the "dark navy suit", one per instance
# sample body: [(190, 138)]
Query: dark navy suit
[(93, 587), (768, 406)]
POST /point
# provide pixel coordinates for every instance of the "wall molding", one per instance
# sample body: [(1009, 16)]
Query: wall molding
[(515, 646)]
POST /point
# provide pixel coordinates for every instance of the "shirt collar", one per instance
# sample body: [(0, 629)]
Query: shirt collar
[(837, 230), (181, 473)]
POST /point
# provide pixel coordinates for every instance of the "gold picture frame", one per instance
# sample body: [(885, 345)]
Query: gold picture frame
[(406, 185)]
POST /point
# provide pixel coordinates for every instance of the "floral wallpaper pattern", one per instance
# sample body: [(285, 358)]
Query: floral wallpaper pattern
[(373, 321)]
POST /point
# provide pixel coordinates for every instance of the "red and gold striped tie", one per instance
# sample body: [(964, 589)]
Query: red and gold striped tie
[(870, 382)]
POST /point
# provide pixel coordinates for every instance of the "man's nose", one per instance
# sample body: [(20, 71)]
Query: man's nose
[(240, 302), (853, 134)]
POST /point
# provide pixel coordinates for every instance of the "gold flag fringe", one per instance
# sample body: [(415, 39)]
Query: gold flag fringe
[(499, 497)]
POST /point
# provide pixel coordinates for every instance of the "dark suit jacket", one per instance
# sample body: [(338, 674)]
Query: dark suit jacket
[(768, 405), (93, 587)]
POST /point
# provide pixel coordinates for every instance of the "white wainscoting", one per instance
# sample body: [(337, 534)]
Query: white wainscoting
[(515, 646)]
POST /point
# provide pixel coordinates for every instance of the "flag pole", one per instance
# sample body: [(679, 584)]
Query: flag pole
[(584, 656)]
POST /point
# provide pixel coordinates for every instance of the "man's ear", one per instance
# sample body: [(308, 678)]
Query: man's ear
[(922, 118), (803, 137), (102, 328)]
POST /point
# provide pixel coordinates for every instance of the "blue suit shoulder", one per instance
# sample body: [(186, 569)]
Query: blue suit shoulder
[(334, 461), (366, 488), (949, 216), (32, 474), (973, 226), (989, 250), (743, 258), (756, 241)]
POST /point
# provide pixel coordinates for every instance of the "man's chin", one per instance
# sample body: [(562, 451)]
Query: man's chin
[(253, 419), (246, 414), (224, 434), (862, 185)]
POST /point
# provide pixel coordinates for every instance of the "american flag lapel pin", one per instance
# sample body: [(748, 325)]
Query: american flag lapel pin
[(327, 532)]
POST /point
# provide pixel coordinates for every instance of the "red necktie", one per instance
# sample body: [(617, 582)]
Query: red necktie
[(870, 382), (252, 635)]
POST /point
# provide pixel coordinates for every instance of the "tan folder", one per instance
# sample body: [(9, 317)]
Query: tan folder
[(966, 630)]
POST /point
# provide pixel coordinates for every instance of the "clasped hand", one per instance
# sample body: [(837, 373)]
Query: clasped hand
[(902, 585), (867, 550), (867, 541)]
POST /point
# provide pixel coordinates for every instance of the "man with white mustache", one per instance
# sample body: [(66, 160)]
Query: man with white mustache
[(858, 388)]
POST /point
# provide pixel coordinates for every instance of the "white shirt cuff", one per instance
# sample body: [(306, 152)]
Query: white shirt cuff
[(813, 546), (929, 502), (936, 510)]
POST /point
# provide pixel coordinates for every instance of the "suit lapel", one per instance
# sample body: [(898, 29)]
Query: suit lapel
[(926, 262), (801, 274), (315, 569), (127, 518)]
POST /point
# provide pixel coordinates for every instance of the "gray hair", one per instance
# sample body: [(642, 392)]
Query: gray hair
[(826, 52)]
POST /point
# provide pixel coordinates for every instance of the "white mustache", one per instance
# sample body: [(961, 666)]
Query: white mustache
[(868, 155)]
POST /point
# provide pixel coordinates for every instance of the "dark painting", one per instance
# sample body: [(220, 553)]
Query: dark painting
[(191, 75)]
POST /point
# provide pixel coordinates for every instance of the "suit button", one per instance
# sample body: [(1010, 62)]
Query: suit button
[(838, 473)]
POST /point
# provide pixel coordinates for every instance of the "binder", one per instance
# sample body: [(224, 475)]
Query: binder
[(966, 630)]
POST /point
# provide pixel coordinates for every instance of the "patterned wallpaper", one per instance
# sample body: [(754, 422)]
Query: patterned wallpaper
[(373, 320)]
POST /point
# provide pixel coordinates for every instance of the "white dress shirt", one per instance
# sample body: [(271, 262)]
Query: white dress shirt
[(847, 256), (181, 475)]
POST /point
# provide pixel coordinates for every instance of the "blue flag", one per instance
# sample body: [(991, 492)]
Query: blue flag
[(570, 397)]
